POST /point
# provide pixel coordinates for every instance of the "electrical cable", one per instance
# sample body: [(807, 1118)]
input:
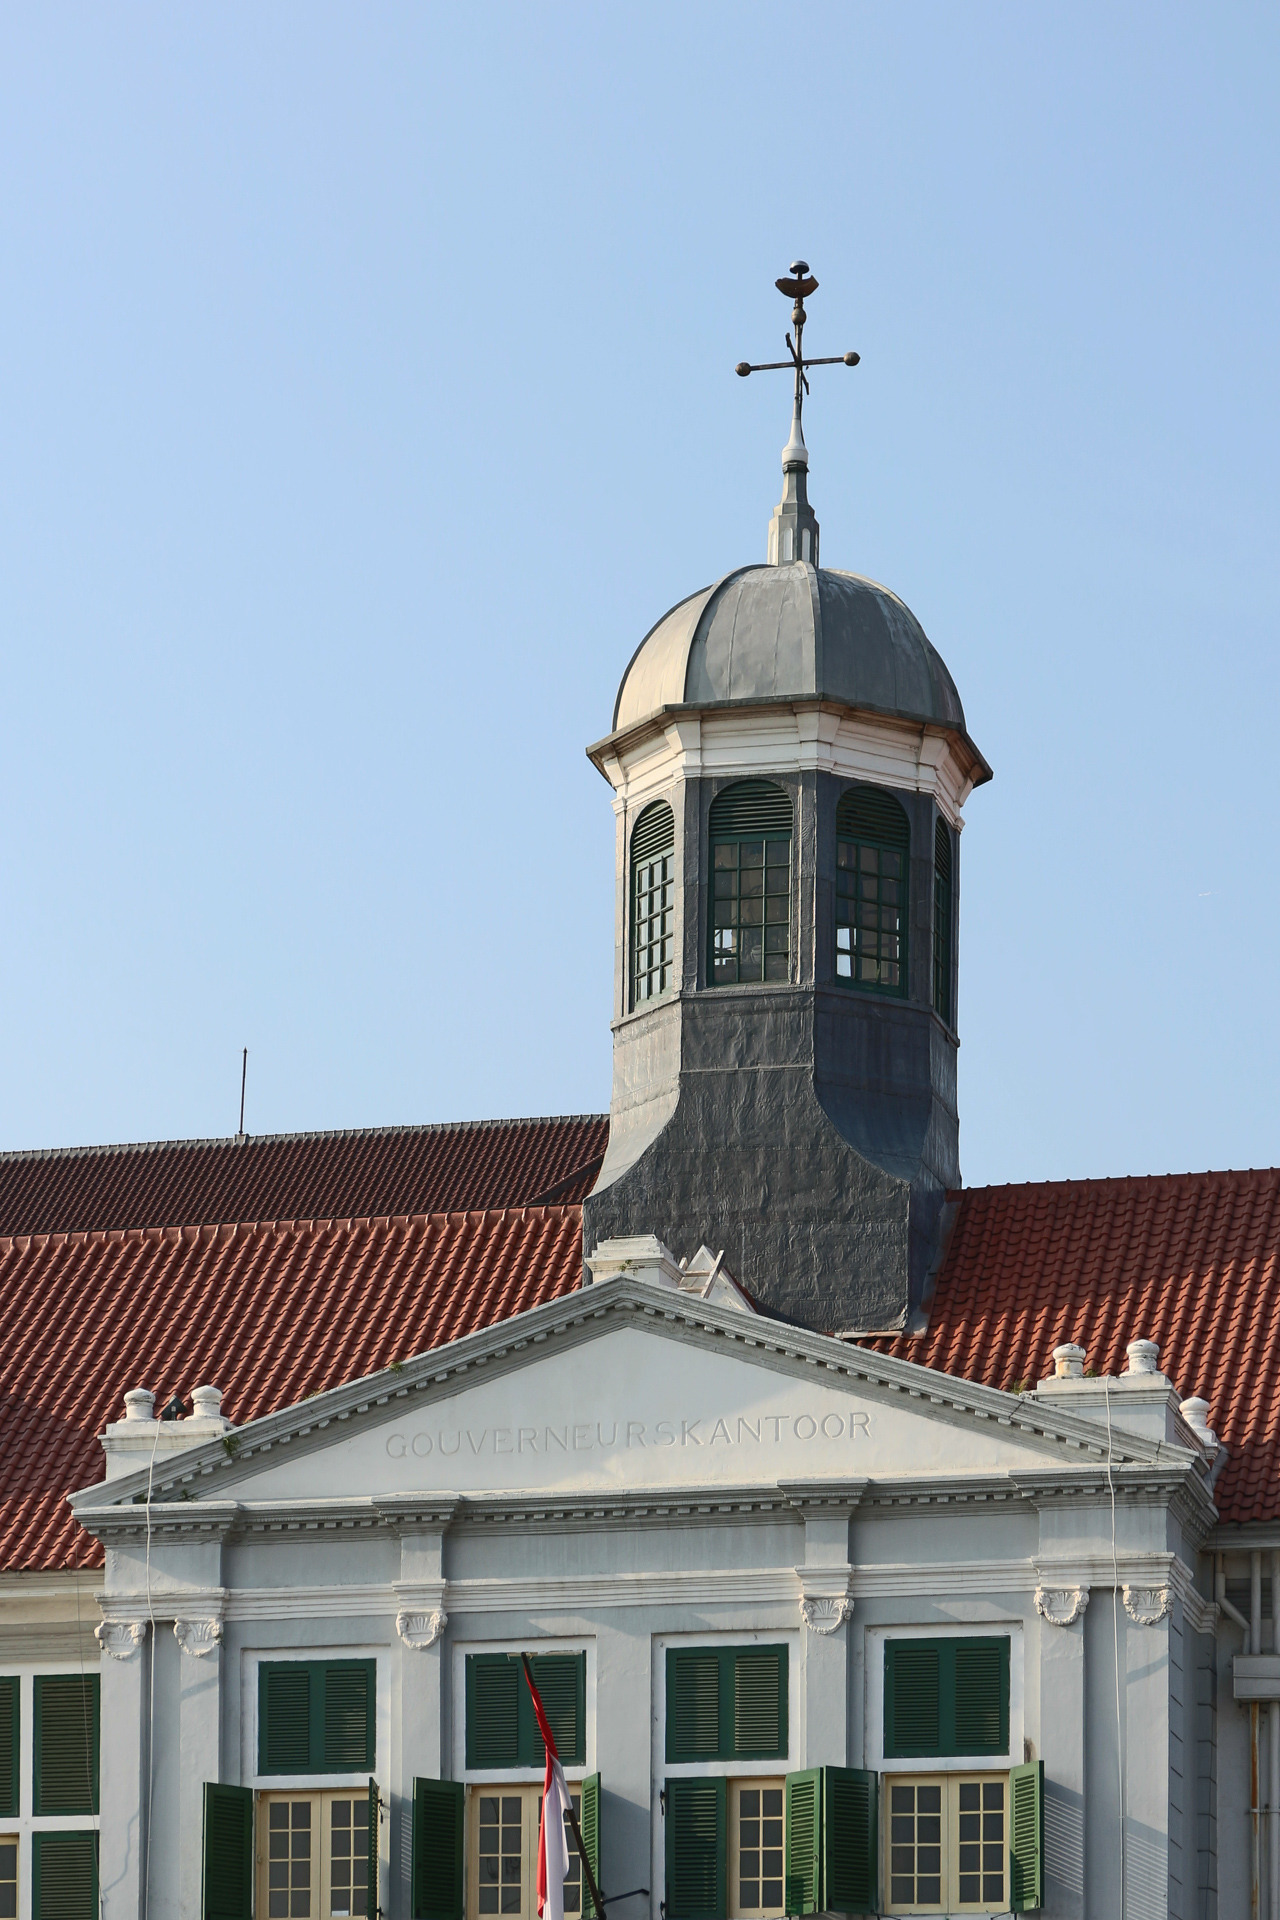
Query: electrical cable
[(151, 1688), (1115, 1630)]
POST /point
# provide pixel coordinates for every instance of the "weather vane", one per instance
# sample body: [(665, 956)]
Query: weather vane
[(797, 289), (793, 531)]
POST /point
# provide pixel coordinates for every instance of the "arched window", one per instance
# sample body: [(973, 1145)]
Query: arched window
[(750, 835), (873, 848), (942, 921), (653, 903)]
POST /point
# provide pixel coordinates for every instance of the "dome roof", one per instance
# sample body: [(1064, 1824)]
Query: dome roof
[(790, 633)]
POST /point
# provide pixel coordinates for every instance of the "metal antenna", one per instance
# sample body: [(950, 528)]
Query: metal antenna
[(793, 531), (244, 1075)]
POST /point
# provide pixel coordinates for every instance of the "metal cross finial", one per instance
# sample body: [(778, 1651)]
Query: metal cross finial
[(793, 531), (797, 289)]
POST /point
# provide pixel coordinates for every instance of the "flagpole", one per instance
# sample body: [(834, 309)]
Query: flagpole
[(596, 1896)]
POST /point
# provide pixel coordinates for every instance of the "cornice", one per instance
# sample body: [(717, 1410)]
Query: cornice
[(442, 1372)]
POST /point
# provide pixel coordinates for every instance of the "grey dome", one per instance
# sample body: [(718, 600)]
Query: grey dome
[(790, 633)]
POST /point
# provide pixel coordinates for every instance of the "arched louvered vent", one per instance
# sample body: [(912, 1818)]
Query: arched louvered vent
[(869, 813), (943, 935), (653, 904), (750, 809), (749, 936), (654, 833), (873, 850), (942, 852)]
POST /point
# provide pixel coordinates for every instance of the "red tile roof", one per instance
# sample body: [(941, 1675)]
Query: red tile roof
[(1190, 1260), (303, 1176), (271, 1313)]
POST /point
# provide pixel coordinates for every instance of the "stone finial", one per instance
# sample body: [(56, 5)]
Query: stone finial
[(1068, 1361), (140, 1404), (206, 1403), (1196, 1414), (1144, 1356)]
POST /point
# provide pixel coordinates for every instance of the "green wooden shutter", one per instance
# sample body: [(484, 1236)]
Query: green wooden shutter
[(912, 1698), (561, 1680), (494, 1681), (981, 1694), (228, 1853), (697, 1880), (803, 1860), (66, 1743), (589, 1821), (693, 1703), (437, 1852), (759, 1703), (1026, 1837), (870, 813), (345, 1715), (850, 1840), (10, 1747), (284, 1716), (374, 1907), (751, 810), (64, 1876)]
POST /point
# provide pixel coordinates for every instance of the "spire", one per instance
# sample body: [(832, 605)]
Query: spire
[(793, 530)]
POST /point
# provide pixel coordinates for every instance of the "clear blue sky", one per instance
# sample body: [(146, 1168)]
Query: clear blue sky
[(367, 393)]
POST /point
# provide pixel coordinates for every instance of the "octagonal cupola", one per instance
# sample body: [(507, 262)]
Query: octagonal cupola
[(789, 760)]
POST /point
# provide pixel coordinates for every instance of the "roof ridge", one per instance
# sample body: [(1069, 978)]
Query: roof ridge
[(1118, 1180), (11, 1154), (178, 1231)]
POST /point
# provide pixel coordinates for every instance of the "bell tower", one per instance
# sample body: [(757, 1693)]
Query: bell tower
[(789, 763)]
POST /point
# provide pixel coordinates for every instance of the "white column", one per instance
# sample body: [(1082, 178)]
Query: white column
[(122, 1770), (1060, 1729), (200, 1733)]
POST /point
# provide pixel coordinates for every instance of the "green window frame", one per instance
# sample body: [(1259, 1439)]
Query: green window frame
[(872, 909), (317, 1716), (66, 1715), (437, 1855), (653, 904), (64, 1875), (749, 833), (726, 1703), (942, 928), (1026, 1837), (10, 1745), (501, 1728), (696, 1818), (832, 1841), (946, 1698), (226, 1890)]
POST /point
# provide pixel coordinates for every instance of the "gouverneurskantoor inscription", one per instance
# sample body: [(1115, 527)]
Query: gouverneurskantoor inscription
[(600, 1436)]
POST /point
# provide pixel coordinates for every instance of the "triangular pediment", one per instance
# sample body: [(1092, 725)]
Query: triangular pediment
[(621, 1388)]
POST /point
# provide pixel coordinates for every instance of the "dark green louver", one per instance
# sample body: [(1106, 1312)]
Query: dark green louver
[(64, 1876), (501, 1728), (751, 810), (654, 833), (10, 1746), (373, 1908), (589, 1821), (695, 1849), (228, 1853), (317, 1716), (832, 1853), (946, 1697), (869, 813), (726, 1703), (66, 1713), (437, 1854), (1026, 1837), (942, 931)]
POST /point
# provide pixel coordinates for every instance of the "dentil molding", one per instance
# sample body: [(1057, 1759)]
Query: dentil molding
[(1147, 1606), (1061, 1606), (120, 1638), (198, 1637), (421, 1630)]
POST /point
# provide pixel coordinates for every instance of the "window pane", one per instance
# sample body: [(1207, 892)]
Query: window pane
[(870, 916), (753, 880)]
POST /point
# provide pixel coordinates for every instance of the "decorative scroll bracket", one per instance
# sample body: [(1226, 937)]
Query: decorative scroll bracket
[(421, 1630), (1061, 1606), (1147, 1606), (120, 1638), (198, 1637)]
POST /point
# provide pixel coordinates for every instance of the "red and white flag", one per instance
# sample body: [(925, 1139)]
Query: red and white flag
[(553, 1842)]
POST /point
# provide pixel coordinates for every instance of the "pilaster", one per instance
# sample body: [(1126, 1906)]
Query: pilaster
[(122, 1772), (826, 1607)]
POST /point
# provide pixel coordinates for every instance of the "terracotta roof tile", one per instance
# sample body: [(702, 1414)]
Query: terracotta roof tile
[(270, 1313), (1189, 1260), (291, 1176)]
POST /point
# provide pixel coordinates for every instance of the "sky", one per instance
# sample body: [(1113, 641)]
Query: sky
[(366, 393)]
